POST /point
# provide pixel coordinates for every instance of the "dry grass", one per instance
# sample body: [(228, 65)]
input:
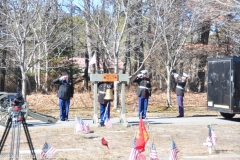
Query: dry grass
[(189, 139), (82, 103)]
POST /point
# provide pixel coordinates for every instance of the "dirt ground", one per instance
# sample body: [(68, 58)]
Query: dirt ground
[(189, 139)]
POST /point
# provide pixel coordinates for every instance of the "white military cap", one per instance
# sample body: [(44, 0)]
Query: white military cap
[(143, 71), (185, 74)]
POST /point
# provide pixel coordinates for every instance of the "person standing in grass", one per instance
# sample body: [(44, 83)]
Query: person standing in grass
[(104, 104), (143, 93), (181, 83), (65, 94)]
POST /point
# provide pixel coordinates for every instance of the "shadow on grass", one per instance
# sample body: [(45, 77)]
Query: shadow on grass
[(197, 115), (233, 119), (91, 137), (136, 123), (87, 119), (222, 151), (38, 124)]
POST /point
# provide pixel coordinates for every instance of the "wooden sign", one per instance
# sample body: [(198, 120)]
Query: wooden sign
[(110, 77)]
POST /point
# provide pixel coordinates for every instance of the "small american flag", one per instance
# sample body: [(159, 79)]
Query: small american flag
[(141, 157), (212, 137), (153, 153), (47, 152), (134, 152), (80, 125), (107, 123), (173, 152), (106, 119), (84, 127), (77, 125)]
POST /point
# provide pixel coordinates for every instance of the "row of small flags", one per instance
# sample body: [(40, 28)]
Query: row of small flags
[(142, 137), (138, 146), (139, 143), (48, 152)]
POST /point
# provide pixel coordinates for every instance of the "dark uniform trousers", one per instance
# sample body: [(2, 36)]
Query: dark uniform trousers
[(65, 92), (180, 94)]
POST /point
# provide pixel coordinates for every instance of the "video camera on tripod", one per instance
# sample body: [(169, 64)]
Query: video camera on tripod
[(15, 119), (17, 100)]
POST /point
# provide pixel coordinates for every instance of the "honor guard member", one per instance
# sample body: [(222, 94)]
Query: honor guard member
[(104, 104), (181, 82), (143, 93), (65, 93)]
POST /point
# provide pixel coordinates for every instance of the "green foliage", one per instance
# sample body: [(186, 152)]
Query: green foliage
[(52, 74)]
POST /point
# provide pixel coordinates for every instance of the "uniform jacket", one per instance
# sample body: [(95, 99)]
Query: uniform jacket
[(102, 87), (180, 86), (144, 86), (65, 90)]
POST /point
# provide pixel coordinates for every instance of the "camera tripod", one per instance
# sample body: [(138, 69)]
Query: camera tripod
[(14, 121)]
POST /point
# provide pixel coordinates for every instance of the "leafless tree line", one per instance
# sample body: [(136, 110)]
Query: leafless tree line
[(161, 36)]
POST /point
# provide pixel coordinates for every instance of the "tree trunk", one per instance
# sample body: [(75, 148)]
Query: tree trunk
[(86, 71), (88, 33), (116, 99), (160, 83), (205, 32), (3, 70), (127, 53), (39, 75), (24, 84), (46, 69), (169, 101)]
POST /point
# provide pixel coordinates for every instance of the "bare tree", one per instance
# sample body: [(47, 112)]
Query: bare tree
[(173, 26), (50, 32), (115, 31), (27, 31)]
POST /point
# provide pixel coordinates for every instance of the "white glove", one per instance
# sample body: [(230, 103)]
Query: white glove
[(176, 75), (62, 78)]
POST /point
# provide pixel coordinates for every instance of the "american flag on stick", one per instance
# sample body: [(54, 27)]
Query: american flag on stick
[(141, 156), (80, 125), (77, 125), (153, 153), (47, 152), (212, 137), (107, 121), (134, 152), (84, 127), (173, 151)]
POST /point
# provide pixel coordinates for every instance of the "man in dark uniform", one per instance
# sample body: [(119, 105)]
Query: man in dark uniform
[(104, 104), (144, 92), (181, 82), (65, 93)]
